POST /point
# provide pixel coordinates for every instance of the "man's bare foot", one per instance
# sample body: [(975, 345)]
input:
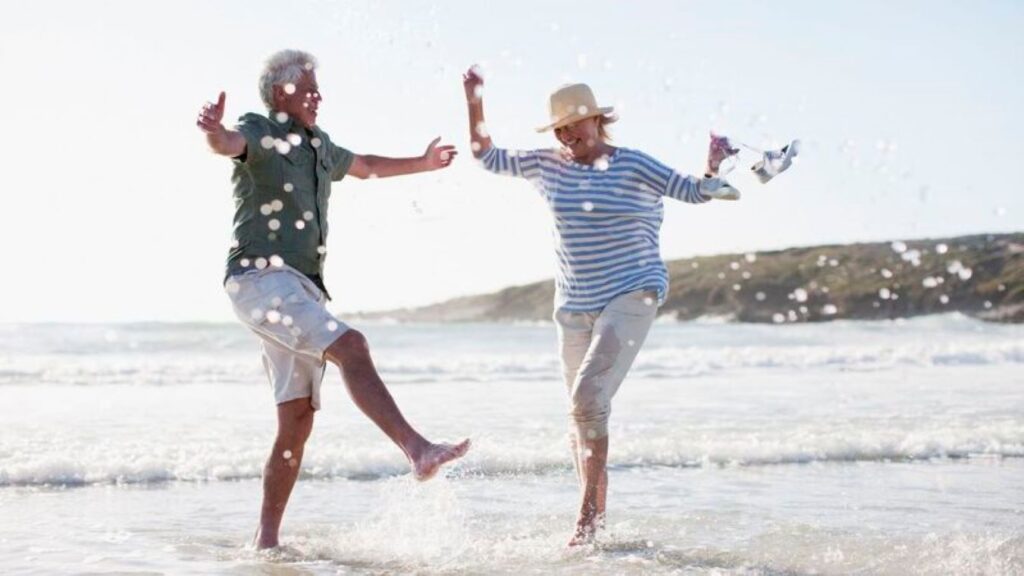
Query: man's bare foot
[(583, 535), (586, 529), (428, 462)]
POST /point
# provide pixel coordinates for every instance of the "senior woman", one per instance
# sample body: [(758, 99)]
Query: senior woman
[(606, 203)]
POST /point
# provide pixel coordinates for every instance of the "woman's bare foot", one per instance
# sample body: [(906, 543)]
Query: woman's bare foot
[(426, 464)]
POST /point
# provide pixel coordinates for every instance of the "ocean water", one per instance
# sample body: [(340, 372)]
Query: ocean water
[(840, 448)]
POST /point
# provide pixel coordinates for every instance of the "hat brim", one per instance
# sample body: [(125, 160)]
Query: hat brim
[(576, 118)]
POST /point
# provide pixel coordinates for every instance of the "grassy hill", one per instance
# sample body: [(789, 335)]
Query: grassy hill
[(980, 275)]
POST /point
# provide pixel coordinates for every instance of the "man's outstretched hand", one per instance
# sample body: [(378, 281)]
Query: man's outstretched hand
[(210, 116), (439, 156)]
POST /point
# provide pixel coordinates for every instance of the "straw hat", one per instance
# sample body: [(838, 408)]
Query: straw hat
[(572, 103)]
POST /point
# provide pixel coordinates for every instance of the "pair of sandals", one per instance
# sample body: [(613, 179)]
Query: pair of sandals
[(771, 164)]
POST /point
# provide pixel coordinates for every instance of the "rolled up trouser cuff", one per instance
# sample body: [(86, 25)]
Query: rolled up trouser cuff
[(585, 430)]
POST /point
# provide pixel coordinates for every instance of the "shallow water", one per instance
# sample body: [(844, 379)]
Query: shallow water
[(890, 447)]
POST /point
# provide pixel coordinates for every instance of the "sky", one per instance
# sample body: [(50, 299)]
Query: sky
[(116, 211)]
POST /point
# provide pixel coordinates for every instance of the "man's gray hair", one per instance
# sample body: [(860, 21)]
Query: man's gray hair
[(284, 67)]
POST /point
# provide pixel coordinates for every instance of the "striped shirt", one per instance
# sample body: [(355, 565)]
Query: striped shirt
[(607, 219)]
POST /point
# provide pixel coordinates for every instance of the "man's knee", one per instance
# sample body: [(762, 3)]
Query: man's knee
[(350, 345), (295, 420)]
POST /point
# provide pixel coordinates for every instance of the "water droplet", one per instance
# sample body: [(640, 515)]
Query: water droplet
[(778, 318), (287, 320), (829, 309), (273, 316), (481, 130), (965, 273), (300, 224), (321, 249), (898, 246), (294, 139), (261, 263), (332, 326), (648, 301), (800, 295), (581, 109), (475, 146), (256, 314), (944, 299), (750, 257), (736, 287), (307, 215), (276, 261), (287, 454), (266, 209), (601, 163), (588, 206), (941, 248), (886, 273), (276, 205), (316, 142), (884, 293), (244, 262), (288, 187), (281, 117), (232, 287), (267, 142), (282, 146), (276, 300), (760, 296), (274, 224), (929, 282), (308, 65), (746, 275)]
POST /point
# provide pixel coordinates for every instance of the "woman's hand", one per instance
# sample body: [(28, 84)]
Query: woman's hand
[(473, 83), (719, 149)]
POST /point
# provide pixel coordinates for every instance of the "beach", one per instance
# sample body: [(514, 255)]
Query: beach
[(886, 447)]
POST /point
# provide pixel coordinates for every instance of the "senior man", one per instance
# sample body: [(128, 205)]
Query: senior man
[(283, 168)]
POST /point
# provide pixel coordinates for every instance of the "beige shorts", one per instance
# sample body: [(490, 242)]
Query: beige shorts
[(597, 350), (289, 314)]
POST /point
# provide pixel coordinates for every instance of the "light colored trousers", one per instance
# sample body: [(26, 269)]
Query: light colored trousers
[(597, 350)]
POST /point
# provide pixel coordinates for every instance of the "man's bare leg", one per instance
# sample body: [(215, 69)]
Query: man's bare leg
[(294, 423), (594, 460), (351, 354)]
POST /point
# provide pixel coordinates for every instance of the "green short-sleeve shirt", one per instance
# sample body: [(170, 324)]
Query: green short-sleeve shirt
[(282, 184)]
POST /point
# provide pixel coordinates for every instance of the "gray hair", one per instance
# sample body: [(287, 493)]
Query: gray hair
[(284, 67)]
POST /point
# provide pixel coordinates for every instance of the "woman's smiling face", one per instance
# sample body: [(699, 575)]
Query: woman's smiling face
[(581, 138)]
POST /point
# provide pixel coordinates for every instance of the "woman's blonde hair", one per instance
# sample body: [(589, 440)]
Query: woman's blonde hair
[(602, 122)]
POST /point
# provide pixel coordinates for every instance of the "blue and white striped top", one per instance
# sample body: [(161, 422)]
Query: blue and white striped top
[(607, 219)]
